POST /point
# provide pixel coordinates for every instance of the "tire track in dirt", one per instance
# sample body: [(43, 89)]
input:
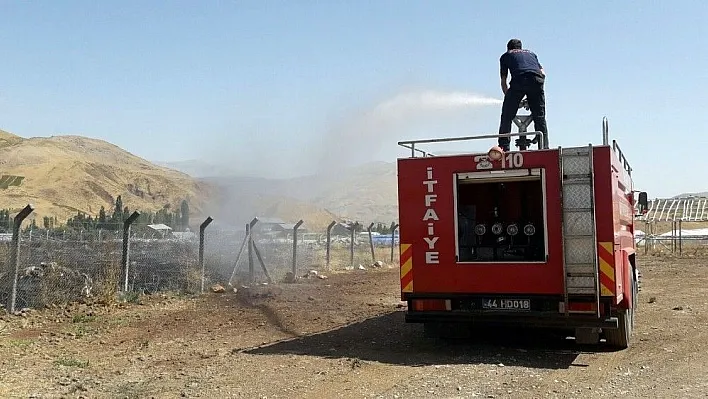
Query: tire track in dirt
[(663, 356), (345, 337)]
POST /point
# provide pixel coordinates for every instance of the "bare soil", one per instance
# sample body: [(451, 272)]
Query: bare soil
[(344, 336)]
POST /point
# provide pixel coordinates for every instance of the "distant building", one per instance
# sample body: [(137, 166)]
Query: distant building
[(160, 228), (269, 225), (287, 228), (341, 229)]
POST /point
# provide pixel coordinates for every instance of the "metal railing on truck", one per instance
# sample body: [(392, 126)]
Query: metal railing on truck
[(615, 147), (411, 144), (521, 121), (542, 142)]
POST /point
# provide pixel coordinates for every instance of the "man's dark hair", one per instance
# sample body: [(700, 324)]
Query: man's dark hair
[(513, 44)]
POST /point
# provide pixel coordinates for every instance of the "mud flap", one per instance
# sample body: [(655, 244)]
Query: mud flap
[(587, 336)]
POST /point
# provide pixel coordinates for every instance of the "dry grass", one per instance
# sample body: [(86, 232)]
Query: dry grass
[(340, 257), (105, 288), (193, 279)]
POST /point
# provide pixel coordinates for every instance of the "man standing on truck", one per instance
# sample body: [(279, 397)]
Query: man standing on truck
[(527, 78)]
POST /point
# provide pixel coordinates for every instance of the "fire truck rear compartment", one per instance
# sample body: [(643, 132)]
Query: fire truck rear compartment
[(501, 217)]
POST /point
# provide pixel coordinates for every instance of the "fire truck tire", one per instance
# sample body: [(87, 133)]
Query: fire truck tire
[(635, 294), (620, 337)]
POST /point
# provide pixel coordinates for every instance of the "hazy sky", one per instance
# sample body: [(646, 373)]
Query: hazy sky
[(239, 81)]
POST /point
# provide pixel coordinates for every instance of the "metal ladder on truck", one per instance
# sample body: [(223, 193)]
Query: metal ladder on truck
[(580, 258)]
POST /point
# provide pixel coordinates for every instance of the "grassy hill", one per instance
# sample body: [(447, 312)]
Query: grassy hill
[(703, 194), (63, 175), (368, 193)]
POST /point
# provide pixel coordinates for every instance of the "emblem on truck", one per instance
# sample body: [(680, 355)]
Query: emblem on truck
[(483, 162)]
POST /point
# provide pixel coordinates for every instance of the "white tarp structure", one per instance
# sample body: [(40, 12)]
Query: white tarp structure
[(694, 235), (686, 233), (683, 233)]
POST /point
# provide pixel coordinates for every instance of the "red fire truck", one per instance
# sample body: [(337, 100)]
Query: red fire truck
[(537, 237)]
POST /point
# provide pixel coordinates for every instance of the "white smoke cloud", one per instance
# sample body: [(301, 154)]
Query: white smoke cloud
[(366, 132), (431, 101), (358, 134)]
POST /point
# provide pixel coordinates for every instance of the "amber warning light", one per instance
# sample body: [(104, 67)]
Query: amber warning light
[(495, 153)]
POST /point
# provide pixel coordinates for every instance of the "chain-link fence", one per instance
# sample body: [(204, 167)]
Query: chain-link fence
[(55, 270), (681, 238), (229, 261), (55, 267), (675, 245)]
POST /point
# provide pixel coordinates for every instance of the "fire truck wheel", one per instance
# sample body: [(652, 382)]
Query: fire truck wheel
[(635, 294), (620, 337)]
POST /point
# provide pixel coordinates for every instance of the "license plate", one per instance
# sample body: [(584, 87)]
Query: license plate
[(506, 304)]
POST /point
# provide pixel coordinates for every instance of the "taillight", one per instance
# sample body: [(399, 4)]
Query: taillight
[(429, 304)]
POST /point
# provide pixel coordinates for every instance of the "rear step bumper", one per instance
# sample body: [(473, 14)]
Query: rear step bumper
[(536, 319)]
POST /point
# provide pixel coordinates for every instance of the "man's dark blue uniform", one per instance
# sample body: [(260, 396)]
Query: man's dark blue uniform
[(527, 78)]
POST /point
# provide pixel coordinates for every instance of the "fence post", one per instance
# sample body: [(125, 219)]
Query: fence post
[(249, 233), (646, 237), (15, 252), (29, 249), (352, 229), (673, 233), (260, 260), (371, 243), (651, 230), (297, 226), (680, 239), (203, 227), (249, 249), (126, 246), (394, 226), (240, 252), (329, 242)]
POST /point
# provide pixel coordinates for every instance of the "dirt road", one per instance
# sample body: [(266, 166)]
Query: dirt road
[(344, 337)]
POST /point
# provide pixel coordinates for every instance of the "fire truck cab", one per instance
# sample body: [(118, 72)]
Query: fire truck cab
[(535, 237)]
